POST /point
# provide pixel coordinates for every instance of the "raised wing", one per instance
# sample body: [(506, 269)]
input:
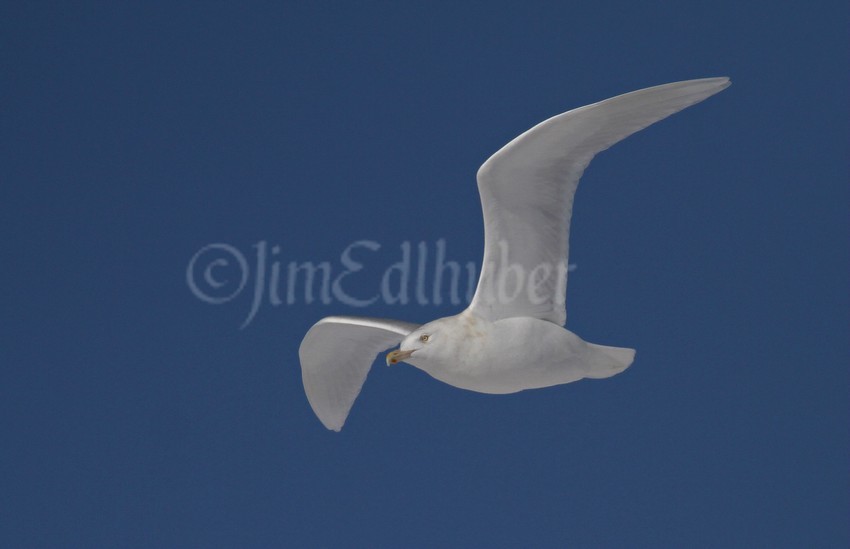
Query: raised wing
[(527, 191), (336, 355)]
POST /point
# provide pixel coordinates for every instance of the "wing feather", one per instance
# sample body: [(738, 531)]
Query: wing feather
[(527, 191), (336, 355)]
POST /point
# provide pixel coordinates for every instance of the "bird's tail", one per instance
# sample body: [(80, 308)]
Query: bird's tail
[(604, 361)]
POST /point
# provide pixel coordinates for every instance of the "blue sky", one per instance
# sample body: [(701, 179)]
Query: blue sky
[(132, 413)]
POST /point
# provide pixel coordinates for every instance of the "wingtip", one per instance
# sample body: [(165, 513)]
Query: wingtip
[(334, 426), (332, 422), (717, 83), (719, 80), (701, 88)]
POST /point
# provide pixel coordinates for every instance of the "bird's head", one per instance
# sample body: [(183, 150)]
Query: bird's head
[(426, 343), (440, 344)]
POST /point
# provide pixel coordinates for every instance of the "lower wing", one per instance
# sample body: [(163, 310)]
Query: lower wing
[(336, 355)]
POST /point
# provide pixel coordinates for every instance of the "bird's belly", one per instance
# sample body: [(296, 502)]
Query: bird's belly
[(518, 354)]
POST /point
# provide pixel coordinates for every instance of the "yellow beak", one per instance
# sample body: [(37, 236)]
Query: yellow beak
[(396, 356)]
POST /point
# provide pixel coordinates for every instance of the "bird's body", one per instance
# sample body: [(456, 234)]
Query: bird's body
[(511, 337), (480, 357)]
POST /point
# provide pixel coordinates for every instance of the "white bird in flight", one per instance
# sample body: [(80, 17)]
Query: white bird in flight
[(511, 337)]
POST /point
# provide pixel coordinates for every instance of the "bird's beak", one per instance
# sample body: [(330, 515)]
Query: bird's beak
[(396, 356)]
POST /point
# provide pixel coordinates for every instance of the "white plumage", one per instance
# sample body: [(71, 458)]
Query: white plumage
[(510, 338)]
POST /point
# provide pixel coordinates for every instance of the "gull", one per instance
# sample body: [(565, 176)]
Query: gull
[(512, 336)]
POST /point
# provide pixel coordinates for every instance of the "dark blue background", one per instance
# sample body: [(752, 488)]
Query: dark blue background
[(716, 243)]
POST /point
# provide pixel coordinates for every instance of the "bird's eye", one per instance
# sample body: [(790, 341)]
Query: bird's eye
[(424, 338)]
